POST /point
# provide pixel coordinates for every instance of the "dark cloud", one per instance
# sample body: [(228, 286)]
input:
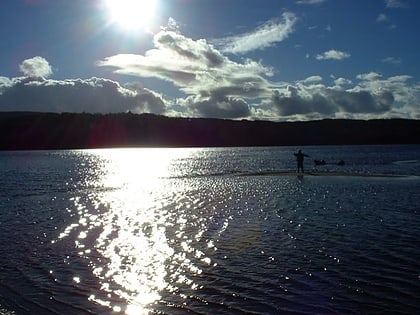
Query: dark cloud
[(328, 101), (176, 43), (94, 95), (361, 101), (294, 104), (179, 76), (214, 59), (218, 107), (245, 89)]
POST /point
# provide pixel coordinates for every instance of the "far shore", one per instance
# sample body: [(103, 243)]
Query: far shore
[(51, 131)]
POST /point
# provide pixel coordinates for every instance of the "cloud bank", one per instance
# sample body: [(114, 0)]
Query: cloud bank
[(92, 95), (322, 101), (372, 97), (213, 83)]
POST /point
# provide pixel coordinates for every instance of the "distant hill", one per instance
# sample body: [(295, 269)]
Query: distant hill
[(27, 131)]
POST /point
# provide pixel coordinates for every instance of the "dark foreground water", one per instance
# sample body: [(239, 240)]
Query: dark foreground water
[(210, 231)]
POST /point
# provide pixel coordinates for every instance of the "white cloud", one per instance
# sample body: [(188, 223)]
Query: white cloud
[(406, 96), (339, 82), (172, 25), (381, 18), (36, 67), (312, 79), (5, 83), (402, 91), (392, 60), (333, 55), (371, 76), (209, 78), (393, 4), (266, 35), (310, 1)]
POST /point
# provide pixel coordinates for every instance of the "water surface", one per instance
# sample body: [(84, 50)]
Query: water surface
[(195, 231)]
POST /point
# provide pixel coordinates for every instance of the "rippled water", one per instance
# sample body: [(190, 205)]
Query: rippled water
[(194, 231)]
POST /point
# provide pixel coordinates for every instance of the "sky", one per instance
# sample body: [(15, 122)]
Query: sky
[(278, 60)]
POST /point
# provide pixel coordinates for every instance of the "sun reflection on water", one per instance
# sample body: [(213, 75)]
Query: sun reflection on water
[(127, 221)]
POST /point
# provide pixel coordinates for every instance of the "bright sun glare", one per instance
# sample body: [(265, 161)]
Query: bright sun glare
[(132, 14)]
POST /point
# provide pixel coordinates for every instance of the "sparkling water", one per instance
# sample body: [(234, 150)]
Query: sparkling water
[(210, 231)]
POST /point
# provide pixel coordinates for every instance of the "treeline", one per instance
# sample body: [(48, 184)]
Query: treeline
[(28, 131)]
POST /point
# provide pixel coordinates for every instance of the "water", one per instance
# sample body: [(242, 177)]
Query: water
[(210, 231)]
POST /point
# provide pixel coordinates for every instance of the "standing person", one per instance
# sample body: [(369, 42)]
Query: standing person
[(299, 159)]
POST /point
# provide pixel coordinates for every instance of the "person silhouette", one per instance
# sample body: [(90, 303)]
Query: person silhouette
[(299, 159)]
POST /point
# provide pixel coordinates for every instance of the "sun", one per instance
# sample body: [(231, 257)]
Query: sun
[(131, 14)]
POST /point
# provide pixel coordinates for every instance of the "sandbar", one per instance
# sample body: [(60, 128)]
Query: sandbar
[(322, 173)]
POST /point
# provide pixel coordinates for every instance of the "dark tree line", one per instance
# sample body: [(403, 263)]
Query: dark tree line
[(20, 131)]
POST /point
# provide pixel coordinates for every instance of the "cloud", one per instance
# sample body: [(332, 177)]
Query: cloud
[(216, 86), (172, 25), (372, 97), (5, 83), (310, 1), (339, 82), (215, 83), (394, 4), (36, 67), (333, 55), (406, 95), (402, 91), (93, 95), (271, 32), (322, 101), (381, 18), (328, 101), (391, 60), (311, 79), (371, 76), (217, 107)]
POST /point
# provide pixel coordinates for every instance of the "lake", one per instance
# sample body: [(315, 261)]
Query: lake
[(210, 231)]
